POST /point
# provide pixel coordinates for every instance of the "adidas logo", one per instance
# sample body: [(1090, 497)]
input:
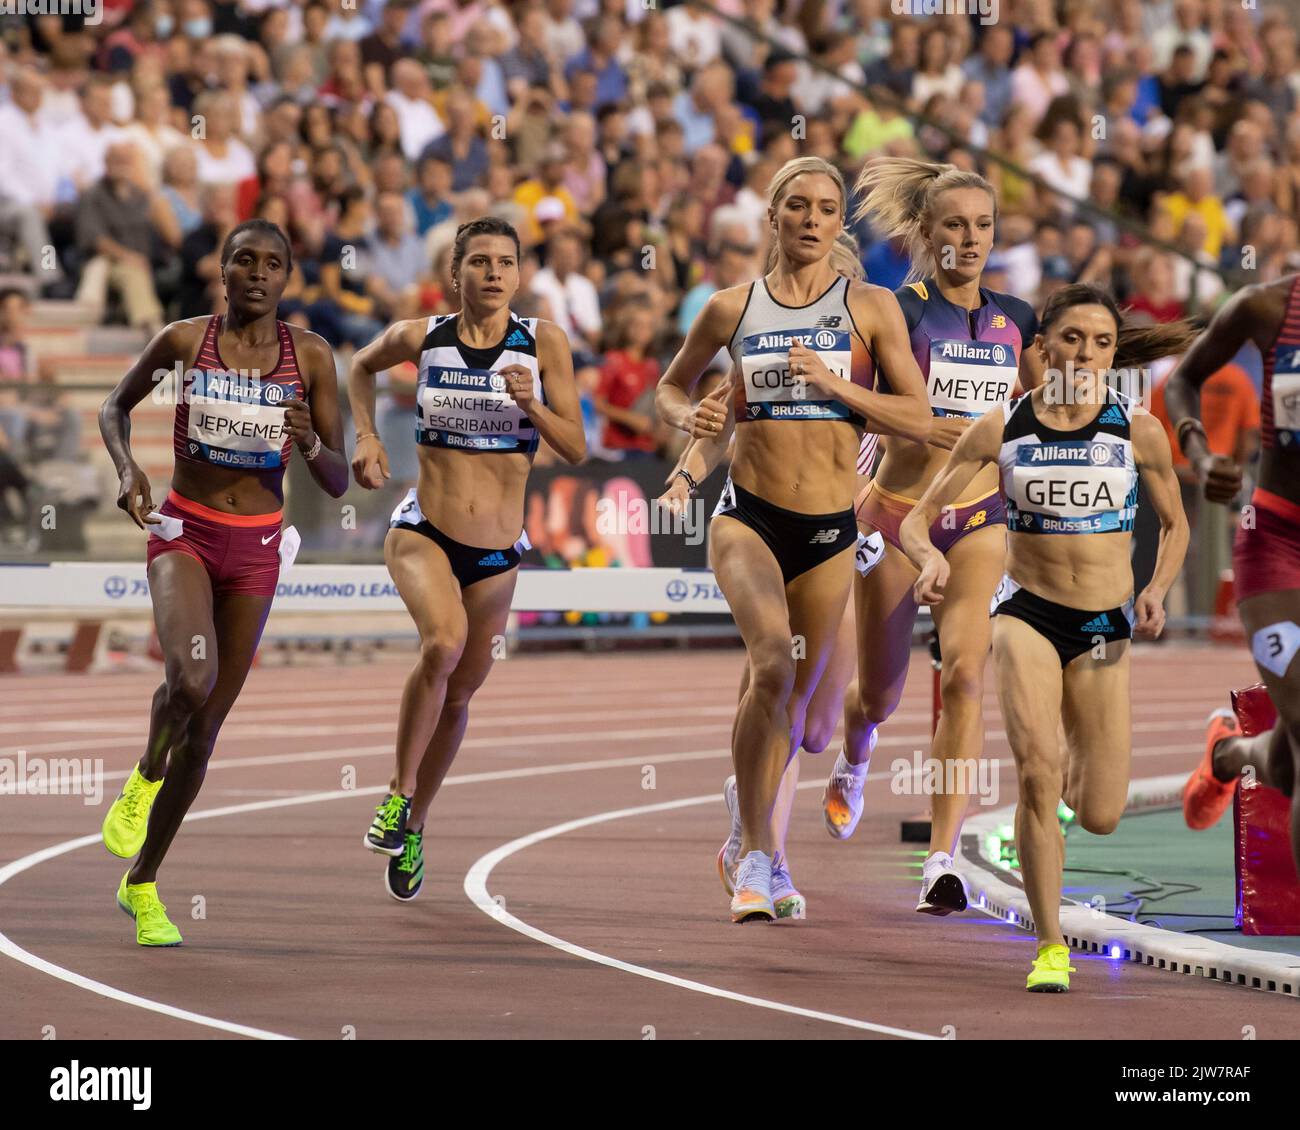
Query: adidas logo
[(1112, 415), (518, 337), (496, 558), (1098, 624)]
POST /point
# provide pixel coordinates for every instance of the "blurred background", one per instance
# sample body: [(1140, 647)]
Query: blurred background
[(1152, 147)]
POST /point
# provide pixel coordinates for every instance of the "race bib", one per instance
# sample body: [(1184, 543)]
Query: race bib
[(471, 408), (1286, 406), (1275, 646), (870, 552), (772, 392), (967, 378)]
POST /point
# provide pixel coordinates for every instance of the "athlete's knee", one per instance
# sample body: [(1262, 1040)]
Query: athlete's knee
[(1040, 784), (962, 681), (440, 651), (1098, 818), (189, 685), (871, 704), (771, 671), (818, 731)]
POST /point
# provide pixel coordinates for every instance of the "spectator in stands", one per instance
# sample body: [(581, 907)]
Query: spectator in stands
[(547, 185), (936, 71), (1061, 165), (462, 145), (571, 295), (992, 68), (419, 121), (200, 291), (223, 157), (1153, 295), (1197, 196), (151, 132), (117, 233), (384, 46), (626, 377), (399, 266), (1039, 78), (894, 72), (1276, 86), (430, 197)]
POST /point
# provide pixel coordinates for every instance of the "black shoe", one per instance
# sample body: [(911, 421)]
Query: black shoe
[(388, 829), (404, 875)]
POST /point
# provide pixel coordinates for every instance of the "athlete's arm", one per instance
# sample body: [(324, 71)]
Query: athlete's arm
[(399, 342), (1237, 321), (905, 410), (702, 456), (559, 420), (978, 446), (1155, 463), (319, 418), (712, 330), (171, 348)]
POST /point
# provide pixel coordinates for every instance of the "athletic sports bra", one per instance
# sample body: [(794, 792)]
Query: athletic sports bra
[(461, 402), (760, 349), (1280, 403), (233, 419), (970, 358), (1069, 482)]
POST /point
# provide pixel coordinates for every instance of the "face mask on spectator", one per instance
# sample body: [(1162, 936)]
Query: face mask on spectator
[(164, 26), (199, 28)]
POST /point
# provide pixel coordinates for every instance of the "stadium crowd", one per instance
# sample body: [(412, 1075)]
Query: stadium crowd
[(630, 141)]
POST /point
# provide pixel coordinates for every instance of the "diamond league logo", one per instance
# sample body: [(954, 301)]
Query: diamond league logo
[(676, 591), (115, 587)]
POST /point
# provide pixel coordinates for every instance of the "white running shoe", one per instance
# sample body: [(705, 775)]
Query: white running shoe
[(731, 848), (842, 798), (752, 901), (942, 890), (789, 903)]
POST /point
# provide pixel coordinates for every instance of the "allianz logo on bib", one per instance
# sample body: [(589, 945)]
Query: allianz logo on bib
[(973, 351)]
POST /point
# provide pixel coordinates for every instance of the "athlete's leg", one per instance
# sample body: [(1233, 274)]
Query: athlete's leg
[(1096, 712), (1029, 690), (238, 620), (487, 607), (885, 616), (424, 579), (965, 633), (182, 613), (1265, 618), (750, 578)]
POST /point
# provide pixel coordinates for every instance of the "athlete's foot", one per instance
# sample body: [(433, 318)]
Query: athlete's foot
[(842, 798), (730, 850), (1051, 970), (786, 900), (942, 890), (404, 875), (752, 901), (127, 821), (1206, 794), (141, 902), (387, 834)]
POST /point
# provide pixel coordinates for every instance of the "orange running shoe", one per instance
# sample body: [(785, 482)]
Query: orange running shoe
[(1205, 796), (752, 901)]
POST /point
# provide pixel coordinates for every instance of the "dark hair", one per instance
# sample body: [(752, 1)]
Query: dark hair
[(484, 225), (262, 227), (8, 292), (1134, 344)]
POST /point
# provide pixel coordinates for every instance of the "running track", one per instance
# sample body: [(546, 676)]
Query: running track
[(562, 897)]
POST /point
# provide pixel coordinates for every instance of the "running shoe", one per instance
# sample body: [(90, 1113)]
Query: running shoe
[(127, 820), (842, 798), (786, 900), (1051, 970), (141, 902), (752, 901), (942, 890), (404, 875), (387, 833), (730, 851), (1204, 796)]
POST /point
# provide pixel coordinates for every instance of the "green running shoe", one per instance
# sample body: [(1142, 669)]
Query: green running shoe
[(404, 874), (388, 829)]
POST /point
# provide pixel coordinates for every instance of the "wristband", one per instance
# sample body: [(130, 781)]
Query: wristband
[(690, 482), (1185, 425), (368, 435), (315, 450)]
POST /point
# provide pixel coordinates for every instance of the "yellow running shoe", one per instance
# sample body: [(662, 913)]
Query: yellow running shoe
[(152, 926), (1051, 970), (127, 821)]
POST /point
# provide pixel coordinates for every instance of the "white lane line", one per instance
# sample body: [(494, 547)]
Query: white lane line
[(476, 889)]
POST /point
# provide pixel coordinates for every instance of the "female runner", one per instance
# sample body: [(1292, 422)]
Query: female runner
[(970, 344), (800, 339), (214, 545), (1266, 555), (1069, 454), (491, 386)]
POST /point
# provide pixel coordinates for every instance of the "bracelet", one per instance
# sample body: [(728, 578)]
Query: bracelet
[(368, 435), (315, 450), (690, 482), (1185, 425)]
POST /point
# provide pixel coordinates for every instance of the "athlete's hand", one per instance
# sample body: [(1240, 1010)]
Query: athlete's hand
[(676, 497), (945, 431), (370, 463), (135, 497), (1220, 478), (929, 586), (297, 418), (519, 384), (709, 416), (1149, 616), (808, 366)]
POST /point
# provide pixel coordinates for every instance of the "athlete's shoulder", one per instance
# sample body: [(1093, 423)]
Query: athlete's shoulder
[(730, 301), (312, 349), (869, 296), (912, 299), (1018, 310), (547, 335)]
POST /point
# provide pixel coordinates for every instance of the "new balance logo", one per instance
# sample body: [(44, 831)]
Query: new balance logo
[(827, 322), (494, 559), (1098, 624), (824, 537), (518, 337), (1113, 415)]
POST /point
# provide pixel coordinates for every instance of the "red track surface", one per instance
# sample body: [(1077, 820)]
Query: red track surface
[(301, 939)]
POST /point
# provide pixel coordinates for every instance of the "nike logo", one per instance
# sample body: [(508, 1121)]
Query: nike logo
[(268, 541)]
